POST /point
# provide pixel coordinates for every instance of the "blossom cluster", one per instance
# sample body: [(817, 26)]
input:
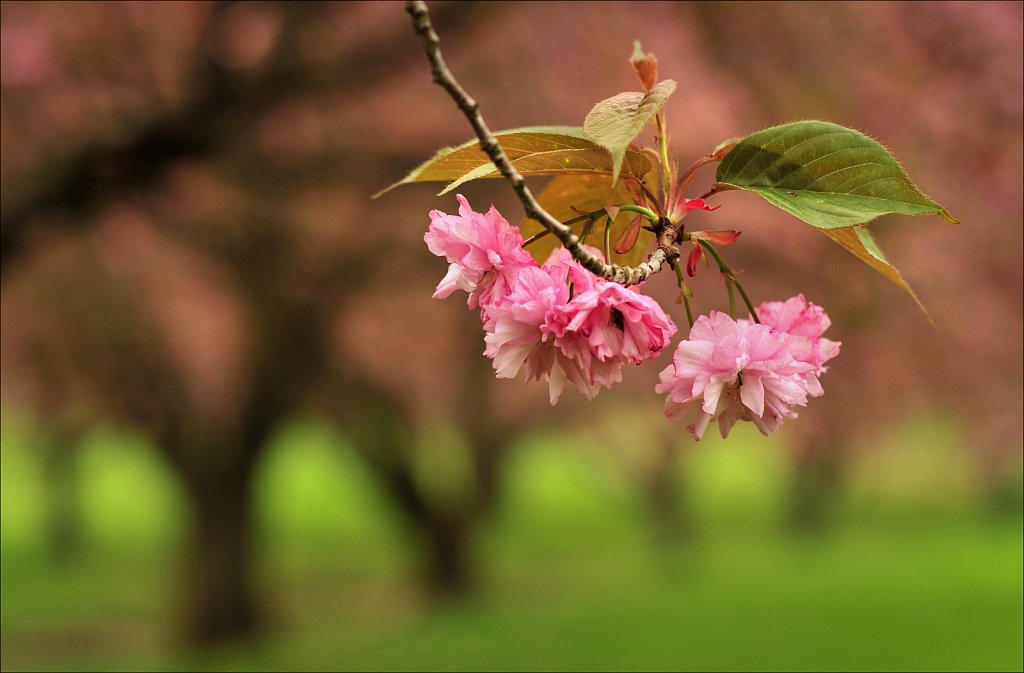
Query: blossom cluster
[(561, 323), (730, 370), (557, 321)]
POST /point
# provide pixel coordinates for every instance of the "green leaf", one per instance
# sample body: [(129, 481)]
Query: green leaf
[(615, 122), (827, 175), (537, 150), (565, 195), (859, 241)]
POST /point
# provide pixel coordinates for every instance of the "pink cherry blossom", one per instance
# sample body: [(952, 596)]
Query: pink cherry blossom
[(582, 280), (586, 339), (611, 320), (524, 327), (618, 322), (798, 317), (485, 253), (730, 371)]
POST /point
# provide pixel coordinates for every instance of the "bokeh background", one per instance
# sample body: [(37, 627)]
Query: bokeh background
[(237, 432)]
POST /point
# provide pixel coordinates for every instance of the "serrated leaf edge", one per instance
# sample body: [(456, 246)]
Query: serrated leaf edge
[(940, 212)]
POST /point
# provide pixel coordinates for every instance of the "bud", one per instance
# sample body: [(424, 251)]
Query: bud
[(629, 236), (645, 66), (695, 256)]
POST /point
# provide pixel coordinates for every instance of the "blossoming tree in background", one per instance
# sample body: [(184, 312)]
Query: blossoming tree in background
[(563, 305)]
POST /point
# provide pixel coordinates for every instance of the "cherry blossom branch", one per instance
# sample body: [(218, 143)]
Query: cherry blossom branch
[(731, 280), (665, 231)]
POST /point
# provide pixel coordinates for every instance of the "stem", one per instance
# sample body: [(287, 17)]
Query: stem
[(647, 193), (646, 212), (541, 234), (587, 229), (730, 277), (691, 172), (651, 152), (580, 218), (536, 237), (624, 275), (608, 239), (746, 300), (682, 283), (711, 192), (722, 266), (666, 170), (732, 297), (680, 278)]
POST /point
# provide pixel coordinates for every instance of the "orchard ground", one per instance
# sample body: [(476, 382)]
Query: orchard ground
[(918, 573)]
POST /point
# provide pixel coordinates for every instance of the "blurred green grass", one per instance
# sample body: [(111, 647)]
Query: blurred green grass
[(916, 576)]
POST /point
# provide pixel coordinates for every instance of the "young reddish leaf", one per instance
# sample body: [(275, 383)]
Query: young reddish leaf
[(615, 122), (538, 150), (565, 195), (613, 211), (682, 205), (629, 236), (645, 66), (722, 237), (695, 256), (697, 204)]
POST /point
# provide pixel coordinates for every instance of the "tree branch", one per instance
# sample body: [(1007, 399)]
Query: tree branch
[(665, 231)]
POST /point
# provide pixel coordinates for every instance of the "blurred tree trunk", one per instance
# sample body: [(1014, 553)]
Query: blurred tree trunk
[(447, 564), (995, 447), (666, 495), (442, 532), (383, 433), (217, 460), (60, 462), (222, 601), (383, 436), (817, 478)]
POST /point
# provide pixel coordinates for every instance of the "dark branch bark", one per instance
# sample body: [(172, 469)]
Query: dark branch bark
[(626, 275)]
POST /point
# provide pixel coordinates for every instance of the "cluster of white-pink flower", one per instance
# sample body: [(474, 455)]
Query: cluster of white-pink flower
[(560, 322)]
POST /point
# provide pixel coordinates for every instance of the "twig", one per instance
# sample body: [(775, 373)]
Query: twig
[(730, 279), (691, 172), (625, 275)]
